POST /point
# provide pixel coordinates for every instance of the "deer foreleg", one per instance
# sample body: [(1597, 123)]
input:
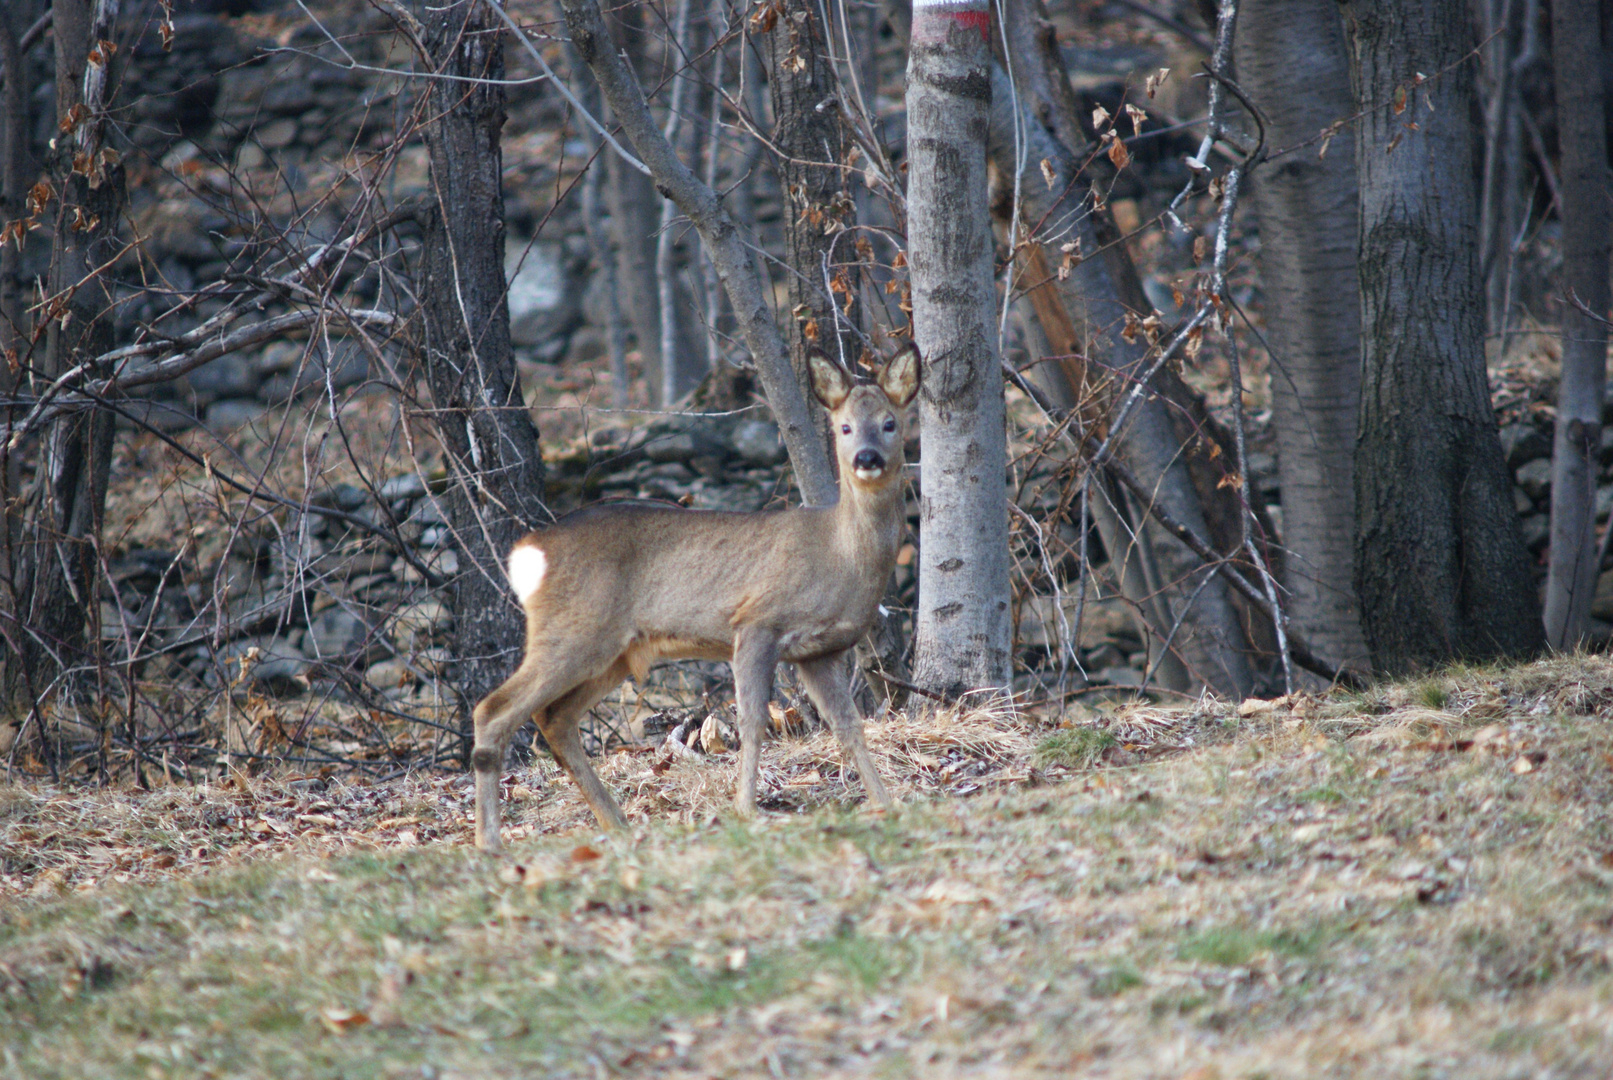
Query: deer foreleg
[(755, 658)]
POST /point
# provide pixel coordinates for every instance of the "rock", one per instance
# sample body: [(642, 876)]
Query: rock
[(1536, 531), (229, 376), (1602, 605), (348, 367), (542, 303), (279, 668), (406, 486), (757, 441), (233, 413), (277, 134), (436, 660), (587, 344), (390, 674), (281, 356), (336, 633), (343, 496), (1524, 442), (1105, 655), (1535, 478), (414, 624), (288, 96), (428, 513), (250, 156), (681, 446), (142, 413), (1117, 676)]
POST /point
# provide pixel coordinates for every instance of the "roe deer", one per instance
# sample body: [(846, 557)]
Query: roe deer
[(613, 588)]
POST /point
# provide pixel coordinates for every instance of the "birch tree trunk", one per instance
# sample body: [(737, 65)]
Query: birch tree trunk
[(1441, 569), (490, 439), (1581, 134), (962, 628), (1293, 62)]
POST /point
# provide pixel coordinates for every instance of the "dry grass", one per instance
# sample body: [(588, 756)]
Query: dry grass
[(1415, 881)]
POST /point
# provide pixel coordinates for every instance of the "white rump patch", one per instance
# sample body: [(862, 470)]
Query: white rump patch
[(528, 564)]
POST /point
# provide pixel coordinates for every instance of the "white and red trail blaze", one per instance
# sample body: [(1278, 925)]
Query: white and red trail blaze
[(932, 19)]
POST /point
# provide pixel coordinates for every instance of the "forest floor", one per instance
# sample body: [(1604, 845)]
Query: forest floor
[(1412, 881)]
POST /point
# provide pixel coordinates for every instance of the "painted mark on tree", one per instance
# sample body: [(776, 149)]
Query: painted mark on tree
[(932, 19)]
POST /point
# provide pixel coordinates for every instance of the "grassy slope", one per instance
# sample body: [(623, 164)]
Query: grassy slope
[(1410, 883)]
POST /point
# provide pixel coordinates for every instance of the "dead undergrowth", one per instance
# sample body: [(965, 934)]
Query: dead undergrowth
[(1412, 881)]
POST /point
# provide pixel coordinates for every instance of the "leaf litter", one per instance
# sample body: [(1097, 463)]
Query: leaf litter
[(1312, 886)]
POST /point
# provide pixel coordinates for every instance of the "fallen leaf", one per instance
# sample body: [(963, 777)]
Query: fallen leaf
[(583, 853), (341, 1021)]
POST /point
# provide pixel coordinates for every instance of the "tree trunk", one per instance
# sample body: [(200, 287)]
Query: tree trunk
[(1292, 61), (490, 439), (56, 570), (634, 217), (1577, 59), (811, 146), (962, 628), (1441, 570), (13, 185), (683, 363)]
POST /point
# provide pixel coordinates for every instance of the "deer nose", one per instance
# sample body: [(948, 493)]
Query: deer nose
[(869, 460)]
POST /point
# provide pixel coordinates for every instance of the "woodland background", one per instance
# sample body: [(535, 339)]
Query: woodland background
[(309, 312)]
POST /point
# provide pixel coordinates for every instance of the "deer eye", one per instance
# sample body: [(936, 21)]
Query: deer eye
[(845, 429), (890, 423)]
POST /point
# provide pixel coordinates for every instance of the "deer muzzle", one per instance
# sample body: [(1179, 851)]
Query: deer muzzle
[(868, 465)]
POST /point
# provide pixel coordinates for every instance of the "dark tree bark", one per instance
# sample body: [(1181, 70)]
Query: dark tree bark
[(812, 143), (490, 439), (55, 568), (962, 628), (1577, 58), (13, 180), (1293, 62), (1441, 569)]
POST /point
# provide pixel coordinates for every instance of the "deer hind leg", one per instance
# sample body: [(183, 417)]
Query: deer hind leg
[(559, 727), (828, 682), (536, 684), (755, 657)]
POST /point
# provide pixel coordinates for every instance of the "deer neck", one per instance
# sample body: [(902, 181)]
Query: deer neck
[(868, 522)]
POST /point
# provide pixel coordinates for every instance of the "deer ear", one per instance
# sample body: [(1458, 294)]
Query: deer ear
[(830, 384), (901, 377)]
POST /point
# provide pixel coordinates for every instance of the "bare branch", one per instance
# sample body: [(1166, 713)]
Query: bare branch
[(723, 243)]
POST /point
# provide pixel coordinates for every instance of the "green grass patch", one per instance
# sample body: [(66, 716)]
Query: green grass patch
[(1077, 748), (1234, 946)]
